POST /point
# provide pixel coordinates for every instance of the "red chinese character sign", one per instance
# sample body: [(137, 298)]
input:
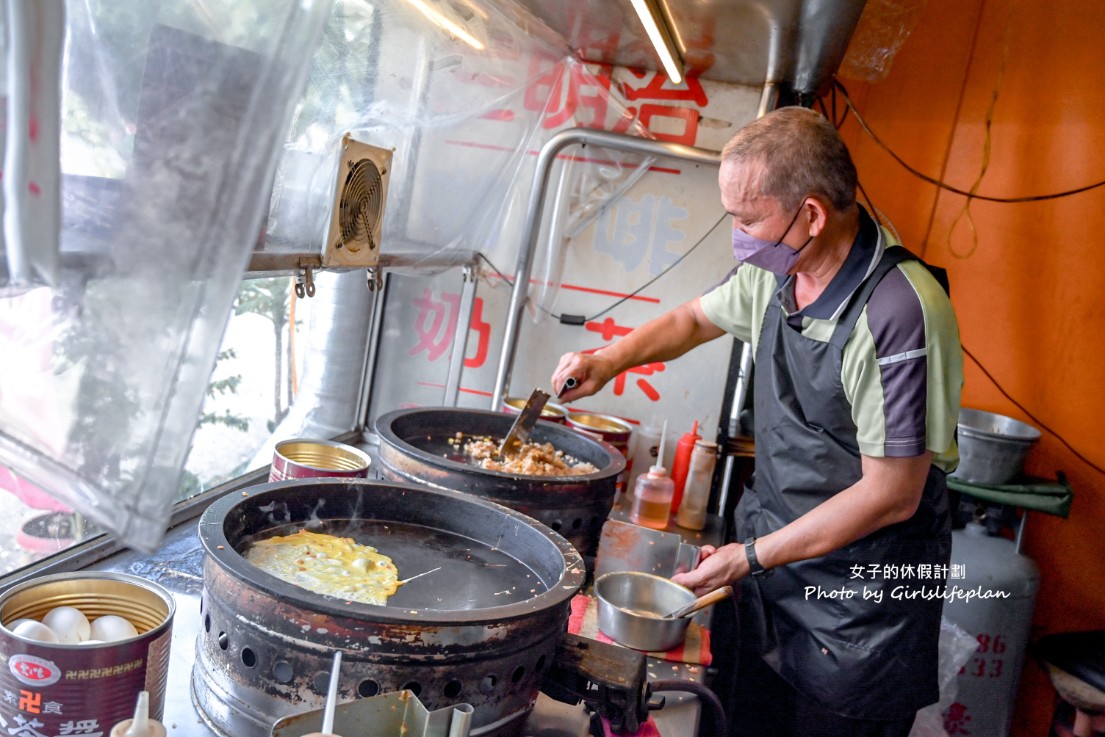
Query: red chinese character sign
[(608, 329), (436, 325), (626, 236)]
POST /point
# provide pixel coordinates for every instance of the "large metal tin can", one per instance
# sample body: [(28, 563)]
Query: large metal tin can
[(302, 458), (552, 411), (54, 689), (613, 430)]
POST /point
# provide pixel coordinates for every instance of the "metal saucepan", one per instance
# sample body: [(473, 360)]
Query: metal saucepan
[(635, 609)]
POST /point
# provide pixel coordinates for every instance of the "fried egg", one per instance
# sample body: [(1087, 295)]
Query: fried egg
[(328, 565)]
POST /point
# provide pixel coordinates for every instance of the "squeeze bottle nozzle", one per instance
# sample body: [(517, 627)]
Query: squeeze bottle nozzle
[(658, 467), (141, 725), (643, 456)]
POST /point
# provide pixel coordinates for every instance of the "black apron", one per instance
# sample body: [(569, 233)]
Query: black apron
[(858, 657)]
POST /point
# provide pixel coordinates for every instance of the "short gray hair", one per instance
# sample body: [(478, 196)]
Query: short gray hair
[(801, 154)]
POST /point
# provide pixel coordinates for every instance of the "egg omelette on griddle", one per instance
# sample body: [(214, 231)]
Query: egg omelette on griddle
[(328, 565)]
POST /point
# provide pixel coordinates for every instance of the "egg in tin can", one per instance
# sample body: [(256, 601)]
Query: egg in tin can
[(80, 680)]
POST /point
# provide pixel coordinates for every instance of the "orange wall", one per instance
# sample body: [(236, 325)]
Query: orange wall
[(1029, 285)]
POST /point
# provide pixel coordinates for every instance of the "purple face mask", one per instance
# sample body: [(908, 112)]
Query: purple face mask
[(774, 256)]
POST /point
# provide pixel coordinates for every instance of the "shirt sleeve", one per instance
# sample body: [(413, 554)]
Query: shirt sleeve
[(903, 369), (737, 304)]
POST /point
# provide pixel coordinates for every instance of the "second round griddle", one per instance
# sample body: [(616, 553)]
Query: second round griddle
[(415, 446)]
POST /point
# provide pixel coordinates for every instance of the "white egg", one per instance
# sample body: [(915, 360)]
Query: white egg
[(10, 626), (33, 630), (111, 628), (68, 623)]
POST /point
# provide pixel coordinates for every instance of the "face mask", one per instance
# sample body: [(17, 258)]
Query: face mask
[(771, 255)]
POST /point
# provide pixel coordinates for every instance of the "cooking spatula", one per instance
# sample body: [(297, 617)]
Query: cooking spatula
[(523, 425)]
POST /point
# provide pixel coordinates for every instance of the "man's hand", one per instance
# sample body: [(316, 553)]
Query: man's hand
[(661, 339), (888, 492), (590, 370), (716, 568)]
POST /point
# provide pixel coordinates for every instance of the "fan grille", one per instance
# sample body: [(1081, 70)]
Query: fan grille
[(362, 202)]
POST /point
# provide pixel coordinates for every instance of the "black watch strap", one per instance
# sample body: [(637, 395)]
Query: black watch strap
[(754, 566)]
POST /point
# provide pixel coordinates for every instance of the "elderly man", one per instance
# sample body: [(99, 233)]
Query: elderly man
[(856, 399)]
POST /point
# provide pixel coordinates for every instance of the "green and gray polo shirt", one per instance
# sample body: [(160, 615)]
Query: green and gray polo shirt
[(902, 366)]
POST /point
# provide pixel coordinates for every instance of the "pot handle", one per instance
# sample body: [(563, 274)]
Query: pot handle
[(701, 602)]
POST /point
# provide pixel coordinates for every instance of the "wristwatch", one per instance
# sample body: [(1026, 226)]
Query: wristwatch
[(758, 571)]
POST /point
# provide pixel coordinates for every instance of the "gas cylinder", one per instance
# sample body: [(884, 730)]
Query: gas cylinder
[(998, 615)]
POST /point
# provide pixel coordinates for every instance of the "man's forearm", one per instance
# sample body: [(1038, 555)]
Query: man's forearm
[(661, 339), (888, 493)]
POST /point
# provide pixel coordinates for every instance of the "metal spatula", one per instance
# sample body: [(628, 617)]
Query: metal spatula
[(523, 425)]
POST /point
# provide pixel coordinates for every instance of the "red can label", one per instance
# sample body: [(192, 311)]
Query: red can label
[(34, 671)]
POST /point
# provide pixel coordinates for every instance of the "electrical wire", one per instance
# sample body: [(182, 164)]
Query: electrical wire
[(944, 185), (1031, 416), (874, 211), (510, 283), (972, 195), (837, 123), (579, 320), (714, 711)]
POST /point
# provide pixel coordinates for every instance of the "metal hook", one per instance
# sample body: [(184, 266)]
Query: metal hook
[(305, 283), (375, 277)]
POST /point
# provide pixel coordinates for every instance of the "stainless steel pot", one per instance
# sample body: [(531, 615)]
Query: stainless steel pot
[(992, 447), (632, 606)]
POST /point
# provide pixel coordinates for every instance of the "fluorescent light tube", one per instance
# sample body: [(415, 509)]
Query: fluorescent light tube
[(661, 38), (446, 24)]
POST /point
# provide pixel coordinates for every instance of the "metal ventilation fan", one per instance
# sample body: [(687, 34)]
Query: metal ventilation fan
[(357, 214)]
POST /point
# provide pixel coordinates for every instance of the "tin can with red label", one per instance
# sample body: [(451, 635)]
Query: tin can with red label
[(51, 688), (301, 458), (613, 430)]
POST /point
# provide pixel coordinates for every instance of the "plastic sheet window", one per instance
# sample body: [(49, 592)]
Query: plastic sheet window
[(262, 388), (172, 116), (184, 123)]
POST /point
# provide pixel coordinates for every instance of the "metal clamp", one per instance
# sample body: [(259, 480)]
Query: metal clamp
[(612, 680)]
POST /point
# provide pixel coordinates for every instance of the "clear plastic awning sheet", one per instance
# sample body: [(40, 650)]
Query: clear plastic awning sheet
[(194, 132), (172, 118), (465, 93)]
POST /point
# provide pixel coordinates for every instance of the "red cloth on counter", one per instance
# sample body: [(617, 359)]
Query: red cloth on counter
[(583, 620), (648, 729)]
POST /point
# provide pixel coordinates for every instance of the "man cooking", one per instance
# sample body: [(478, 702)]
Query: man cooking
[(856, 400)]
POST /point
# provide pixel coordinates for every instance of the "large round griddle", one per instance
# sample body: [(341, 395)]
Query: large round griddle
[(488, 557), (415, 445), (481, 630)]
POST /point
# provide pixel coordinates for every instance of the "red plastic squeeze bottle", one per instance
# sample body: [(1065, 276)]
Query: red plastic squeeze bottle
[(681, 464)]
